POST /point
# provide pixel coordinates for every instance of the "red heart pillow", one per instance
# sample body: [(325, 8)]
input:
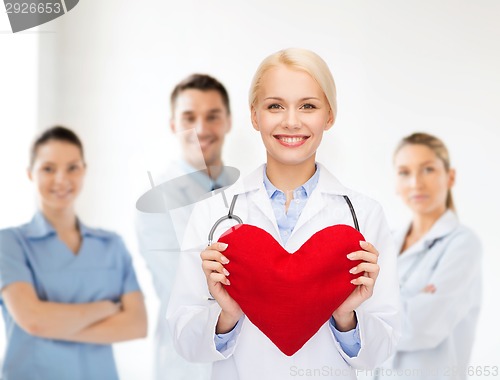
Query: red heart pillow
[(290, 296)]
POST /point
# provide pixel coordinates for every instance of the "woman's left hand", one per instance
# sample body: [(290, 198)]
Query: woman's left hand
[(344, 316)]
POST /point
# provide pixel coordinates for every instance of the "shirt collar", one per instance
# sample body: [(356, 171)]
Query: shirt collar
[(307, 187), (92, 232), (39, 227), (204, 180), (327, 182), (200, 177)]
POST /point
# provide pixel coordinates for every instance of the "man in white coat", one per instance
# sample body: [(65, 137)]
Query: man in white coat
[(200, 120)]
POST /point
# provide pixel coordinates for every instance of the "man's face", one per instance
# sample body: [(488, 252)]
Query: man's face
[(201, 121)]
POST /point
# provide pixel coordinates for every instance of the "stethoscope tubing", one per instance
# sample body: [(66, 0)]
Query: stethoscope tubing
[(231, 215)]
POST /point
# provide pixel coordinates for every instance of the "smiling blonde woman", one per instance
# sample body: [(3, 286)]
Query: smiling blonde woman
[(291, 198)]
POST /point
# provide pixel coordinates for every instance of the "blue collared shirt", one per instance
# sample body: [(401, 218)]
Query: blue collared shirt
[(102, 270), (286, 220), (206, 182)]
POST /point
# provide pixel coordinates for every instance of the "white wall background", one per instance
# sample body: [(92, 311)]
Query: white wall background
[(107, 67), (18, 120)]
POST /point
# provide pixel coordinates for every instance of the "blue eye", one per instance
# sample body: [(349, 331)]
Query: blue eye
[(403, 173), (274, 106), (309, 106)]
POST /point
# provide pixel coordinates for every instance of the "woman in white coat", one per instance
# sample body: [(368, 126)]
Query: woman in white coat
[(439, 268), (293, 101)]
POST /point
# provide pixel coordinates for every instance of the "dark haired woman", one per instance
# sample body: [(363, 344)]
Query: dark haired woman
[(68, 291)]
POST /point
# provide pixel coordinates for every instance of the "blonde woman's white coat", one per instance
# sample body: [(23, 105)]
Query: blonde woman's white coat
[(250, 355)]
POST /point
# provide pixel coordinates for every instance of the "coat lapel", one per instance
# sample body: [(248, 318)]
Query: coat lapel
[(315, 204), (318, 200), (253, 197), (261, 203), (441, 228)]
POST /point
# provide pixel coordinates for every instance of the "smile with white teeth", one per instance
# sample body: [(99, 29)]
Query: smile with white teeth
[(291, 140)]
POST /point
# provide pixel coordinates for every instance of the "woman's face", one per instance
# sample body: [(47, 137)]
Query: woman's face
[(291, 113), (422, 179), (57, 173)]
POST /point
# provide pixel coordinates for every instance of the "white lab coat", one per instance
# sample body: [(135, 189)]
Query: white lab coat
[(251, 355), (438, 329)]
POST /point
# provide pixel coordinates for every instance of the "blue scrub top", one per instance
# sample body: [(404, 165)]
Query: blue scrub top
[(102, 270)]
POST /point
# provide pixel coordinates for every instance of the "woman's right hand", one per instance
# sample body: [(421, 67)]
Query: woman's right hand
[(213, 262)]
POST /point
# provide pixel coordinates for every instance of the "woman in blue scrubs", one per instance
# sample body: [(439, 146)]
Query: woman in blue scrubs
[(67, 290)]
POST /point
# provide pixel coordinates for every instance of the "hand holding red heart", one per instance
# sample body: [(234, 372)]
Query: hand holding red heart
[(344, 316), (289, 296), (213, 262)]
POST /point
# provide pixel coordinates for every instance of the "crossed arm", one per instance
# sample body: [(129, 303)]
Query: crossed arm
[(101, 322)]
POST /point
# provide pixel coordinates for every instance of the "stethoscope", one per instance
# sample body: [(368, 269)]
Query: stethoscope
[(231, 215)]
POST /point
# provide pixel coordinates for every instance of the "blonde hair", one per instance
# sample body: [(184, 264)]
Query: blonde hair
[(439, 149), (299, 59)]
